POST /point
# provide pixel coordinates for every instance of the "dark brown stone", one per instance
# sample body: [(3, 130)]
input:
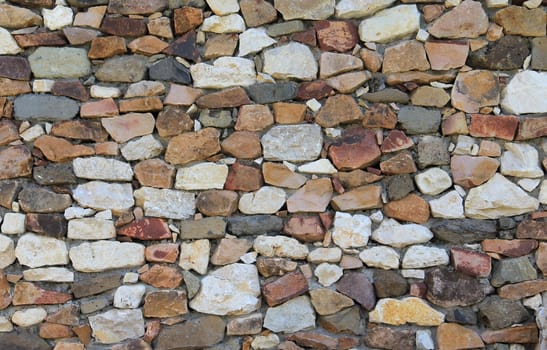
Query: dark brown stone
[(314, 340), (230, 97), (307, 37), (338, 36), (380, 115), (52, 225), (532, 127), (16, 162), (40, 39), (285, 288), (8, 191), (80, 130), (123, 26), (387, 338), (389, 284), (36, 199), (198, 333), (146, 229), (72, 89), (534, 229), (186, 19), (21, 339), (184, 47), (315, 89), (217, 202), (105, 47), (54, 174), (35, 3), (12, 67), (357, 286), (172, 122), (356, 149), (449, 288), (242, 177), (129, 7), (95, 285), (305, 228)]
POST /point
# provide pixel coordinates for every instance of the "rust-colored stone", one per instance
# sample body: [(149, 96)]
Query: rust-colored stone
[(192, 146), (59, 150), (161, 276), (406, 56), (445, 55), (40, 39), (162, 252), (314, 340), (141, 104), (243, 177), (147, 45), (155, 173), (5, 294), (84, 333), (514, 335), (532, 127), (395, 141), (315, 89), (512, 248), (26, 293), (471, 263), (98, 109), (80, 130), (186, 19), (307, 37), (455, 124), (277, 174), (242, 145), (454, 336), (380, 115), (8, 131), (169, 303), (106, 46), (146, 229), (412, 208), (402, 163), (305, 228), (534, 229), (338, 36), (360, 198), (356, 149), (339, 109), (521, 290), (468, 171), (55, 331), (16, 162), (502, 127), (285, 288)]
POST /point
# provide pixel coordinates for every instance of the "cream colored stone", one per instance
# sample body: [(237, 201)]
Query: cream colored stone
[(360, 8), (351, 231), (320, 255), (254, 40), (327, 274), (381, 257), (232, 23), (291, 61), (100, 168), (525, 93), (49, 274), (487, 201), (294, 315), (223, 7), (543, 192), (142, 148), (7, 251), (280, 246), (320, 166), (129, 296), (520, 160), (115, 325), (97, 91), (195, 255), (390, 24), (266, 200), (29, 317), (419, 257), (91, 228), (449, 206), (166, 203), (201, 176), (8, 45), (57, 18), (101, 195), (32, 133), (34, 251), (408, 310), (396, 235), (433, 181), (231, 290), (225, 72), (13, 223), (106, 255)]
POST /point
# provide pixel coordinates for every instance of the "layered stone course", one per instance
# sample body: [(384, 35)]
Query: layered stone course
[(273, 174)]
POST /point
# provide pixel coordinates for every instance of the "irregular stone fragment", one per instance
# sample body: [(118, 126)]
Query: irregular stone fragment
[(173, 121), (294, 143), (305, 228), (274, 266), (169, 69), (419, 256), (35, 251), (241, 279), (411, 208), (465, 231), (338, 36), (407, 310), (7, 257), (123, 69), (314, 196), (95, 285), (525, 87), (129, 296), (49, 274), (198, 333), (292, 316), (516, 334), (327, 274), (34, 107), (162, 304), (242, 144), (449, 206), (267, 200), (232, 23), (357, 148), (419, 120), (195, 255), (503, 127), (402, 163), (103, 196), (91, 228), (280, 246), (189, 147), (512, 270), (533, 127), (146, 229), (335, 63), (125, 7), (29, 317), (106, 255), (285, 288), (351, 231), (469, 96), (429, 97), (316, 89), (339, 109), (161, 276), (520, 160), (467, 20), (390, 24), (22, 339), (507, 53), (517, 20), (454, 336), (230, 250), (487, 203), (123, 26), (469, 171), (279, 175), (357, 286), (444, 55), (14, 17), (117, 325), (328, 302), (299, 62), (186, 19), (511, 248), (449, 288), (26, 293), (268, 93), (302, 9), (396, 235), (67, 62), (433, 181), (13, 87), (499, 313), (98, 168), (105, 47), (405, 56), (165, 203), (17, 161), (381, 257), (363, 197), (254, 40), (257, 12)]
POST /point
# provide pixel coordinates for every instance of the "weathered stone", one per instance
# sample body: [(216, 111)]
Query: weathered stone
[(16, 68), (292, 316), (35, 251), (388, 338), (279, 175), (243, 177), (280, 246), (230, 250), (49, 274), (116, 325), (123, 69), (254, 225), (516, 334), (302, 9), (533, 127), (186, 19), (469, 96), (525, 93), (217, 203), (206, 228), (266, 200), (195, 256), (503, 127), (102, 196), (411, 208), (123, 26), (405, 56), (95, 285), (419, 120), (251, 324), (381, 257), (444, 55), (401, 163), (433, 181), (105, 47), (268, 267), (539, 53), (449, 288), (292, 142), (129, 296), (511, 248), (468, 171), (357, 148), (105, 255), (459, 24), (390, 24), (465, 231), (146, 229), (335, 63), (26, 293), (396, 235), (50, 62), (512, 270), (389, 283), (520, 160), (91, 228), (454, 336), (13, 87), (498, 313), (267, 92), (305, 228), (125, 7), (17, 162), (408, 310), (339, 109), (471, 263), (161, 304), (29, 317), (161, 276), (165, 203), (338, 36), (507, 53), (357, 287), (419, 256), (299, 62), (285, 288), (22, 339), (517, 20), (162, 252), (345, 321), (205, 140), (7, 257), (36, 107), (314, 196), (198, 333)]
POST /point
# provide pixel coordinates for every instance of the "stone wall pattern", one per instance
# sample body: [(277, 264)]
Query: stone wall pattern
[(273, 174)]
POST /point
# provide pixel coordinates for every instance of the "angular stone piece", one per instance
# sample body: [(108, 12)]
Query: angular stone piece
[(280, 246), (517, 20), (487, 202), (146, 229), (467, 20), (125, 7), (470, 262), (95, 285), (469, 96), (449, 288), (499, 313), (26, 293), (357, 286), (14, 17), (242, 177), (198, 333), (412, 208), (314, 196), (16, 68), (335, 63), (503, 127), (407, 310), (34, 107), (80, 130), (357, 148), (517, 334), (186, 19), (405, 56), (67, 62), (454, 336), (105, 47), (339, 109), (468, 171), (388, 338), (17, 161), (35, 251), (103, 196), (169, 303), (257, 12), (302, 9), (117, 325), (396, 235), (390, 24), (225, 72), (444, 55), (122, 69), (512, 270), (98, 168), (161, 276), (205, 140), (91, 228), (294, 143), (511, 248), (285, 288), (165, 203), (507, 53), (264, 93), (419, 120), (105, 255), (520, 160), (525, 93), (123, 26), (299, 62), (531, 128), (292, 316)]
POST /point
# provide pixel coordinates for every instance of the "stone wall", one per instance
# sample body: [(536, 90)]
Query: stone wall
[(286, 174)]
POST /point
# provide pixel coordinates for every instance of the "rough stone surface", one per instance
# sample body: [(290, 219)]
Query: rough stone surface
[(390, 24)]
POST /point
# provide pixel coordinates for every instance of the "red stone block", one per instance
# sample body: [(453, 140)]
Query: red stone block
[(285, 288), (502, 126), (512, 248), (338, 36), (471, 263), (305, 228), (26, 293), (99, 109), (146, 229)]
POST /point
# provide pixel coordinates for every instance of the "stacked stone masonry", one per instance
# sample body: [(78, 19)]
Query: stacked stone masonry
[(273, 174)]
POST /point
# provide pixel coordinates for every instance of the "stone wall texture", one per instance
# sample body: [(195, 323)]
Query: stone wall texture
[(273, 174)]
